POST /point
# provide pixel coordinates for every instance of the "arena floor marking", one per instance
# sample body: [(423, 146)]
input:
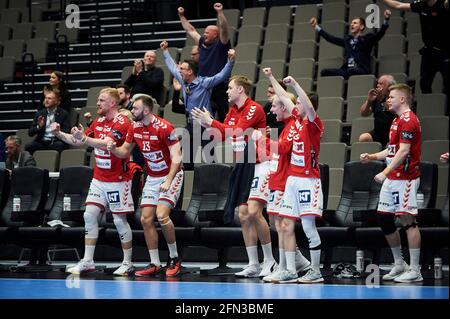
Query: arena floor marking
[(74, 288)]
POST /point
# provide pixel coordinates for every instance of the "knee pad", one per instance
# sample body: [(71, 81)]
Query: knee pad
[(164, 221), (310, 229), (387, 223), (123, 228), (412, 225), (91, 221)]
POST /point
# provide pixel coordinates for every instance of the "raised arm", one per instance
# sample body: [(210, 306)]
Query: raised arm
[(187, 26), (224, 73), (279, 91), (330, 38), (398, 5), (65, 137), (303, 97), (366, 108), (223, 23), (171, 65), (122, 151)]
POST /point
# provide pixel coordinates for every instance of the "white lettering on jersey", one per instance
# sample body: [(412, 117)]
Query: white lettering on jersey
[(101, 152), (238, 144), (154, 156), (103, 163), (157, 167), (136, 135), (298, 160), (153, 138)]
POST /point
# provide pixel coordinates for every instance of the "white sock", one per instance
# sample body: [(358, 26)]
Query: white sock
[(267, 251), (173, 250), (127, 254), (154, 257), (282, 262), (290, 261), (397, 253), (299, 257), (315, 258), (89, 253), (414, 256), (252, 252)]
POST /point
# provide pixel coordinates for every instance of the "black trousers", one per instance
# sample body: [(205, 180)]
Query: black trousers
[(433, 61), (219, 99), (41, 145), (192, 142)]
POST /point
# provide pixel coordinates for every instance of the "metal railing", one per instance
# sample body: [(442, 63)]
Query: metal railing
[(28, 80), (95, 42)]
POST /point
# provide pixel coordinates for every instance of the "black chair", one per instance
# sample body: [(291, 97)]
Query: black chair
[(359, 195), (369, 235), (5, 183), (24, 211)]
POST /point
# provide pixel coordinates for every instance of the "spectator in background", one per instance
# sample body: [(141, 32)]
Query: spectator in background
[(195, 54), (15, 156), (146, 77), (41, 125), (271, 118), (444, 158), (213, 48), (434, 20), (2, 151), (376, 104), (125, 97), (358, 47), (57, 82)]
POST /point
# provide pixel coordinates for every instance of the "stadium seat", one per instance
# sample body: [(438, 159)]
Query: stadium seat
[(11, 16), (276, 33), (278, 68), (334, 195), (93, 93), (305, 12), (22, 31), (303, 32), (395, 63), (301, 68), (331, 108), (274, 51), (330, 86), (391, 44), (245, 68), (303, 50), (279, 15), (329, 63), (330, 50), (70, 33), (333, 131), (433, 104), (333, 154), (412, 23), (7, 68), (5, 32), (415, 43), (45, 29), (39, 49), (396, 26), (334, 11), (358, 148), (359, 126), (337, 28), (434, 127), (432, 150), (48, 160), (233, 17), (14, 49), (252, 34), (359, 85), (254, 16), (72, 157), (354, 104), (4, 187), (247, 52)]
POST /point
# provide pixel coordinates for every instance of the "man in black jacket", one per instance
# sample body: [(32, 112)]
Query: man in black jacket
[(358, 47), (15, 157), (41, 126), (146, 78)]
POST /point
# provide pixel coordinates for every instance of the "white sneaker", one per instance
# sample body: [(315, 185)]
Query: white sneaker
[(125, 269), (81, 267), (285, 277), (311, 277), (397, 270), (411, 275), (273, 277), (302, 264), (249, 271), (268, 267)]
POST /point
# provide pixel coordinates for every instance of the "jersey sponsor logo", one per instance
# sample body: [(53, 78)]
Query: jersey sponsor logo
[(153, 138), (117, 134), (394, 127), (157, 167), (99, 128), (298, 160), (255, 182), (101, 152), (138, 124), (407, 135), (396, 198), (103, 163), (238, 144), (304, 197), (154, 156), (299, 147), (136, 135), (113, 197)]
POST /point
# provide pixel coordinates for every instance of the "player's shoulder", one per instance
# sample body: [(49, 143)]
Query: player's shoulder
[(162, 124), (408, 117), (253, 109), (121, 119)]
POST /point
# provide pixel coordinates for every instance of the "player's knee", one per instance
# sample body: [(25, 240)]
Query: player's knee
[(147, 221), (91, 222), (387, 223), (408, 222), (123, 228), (164, 220), (286, 225), (310, 229)]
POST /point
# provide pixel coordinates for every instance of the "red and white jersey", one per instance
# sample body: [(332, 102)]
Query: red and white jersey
[(250, 116), (108, 167), (306, 147), (405, 129), (154, 141), (279, 162)]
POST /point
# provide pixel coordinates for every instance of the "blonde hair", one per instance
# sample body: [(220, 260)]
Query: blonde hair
[(243, 81), (113, 93), (405, 89)]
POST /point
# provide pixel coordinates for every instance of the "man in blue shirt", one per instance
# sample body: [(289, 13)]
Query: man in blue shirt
[(196, 89)]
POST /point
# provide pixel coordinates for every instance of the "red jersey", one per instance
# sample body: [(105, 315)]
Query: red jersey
[(279, 162), (306, 147), (405, 129), (238, 121), (108, 167), (154, 141)]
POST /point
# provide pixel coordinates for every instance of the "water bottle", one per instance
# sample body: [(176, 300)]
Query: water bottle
[(437, 268), (16, 204), (360, 261), (66, 203)]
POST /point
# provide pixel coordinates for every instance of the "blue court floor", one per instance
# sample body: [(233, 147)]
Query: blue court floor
[(75, 288)]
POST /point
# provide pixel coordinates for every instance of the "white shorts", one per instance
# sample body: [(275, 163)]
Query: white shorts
[(302, 197), (151, 196), (274, 204), (399, 196), (115, 195), (260, 184)]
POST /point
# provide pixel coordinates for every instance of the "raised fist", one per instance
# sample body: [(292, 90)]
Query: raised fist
[(218, 6), (164, 45), (180, 11), (313, 22), (267, 72)]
